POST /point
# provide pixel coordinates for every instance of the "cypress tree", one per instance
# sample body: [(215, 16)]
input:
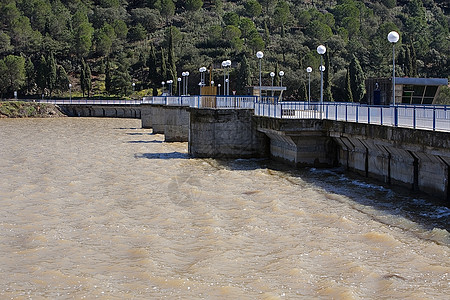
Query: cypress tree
[(408, 62), (171, 60), (327, 95), (413, 60), (163, 65), (153, 78), (41, 78), (244, 74), (276, 81), (348, 89), (356, 79), (51, 73), (88, 80), (108, 76), (30, 75), (83, 77)]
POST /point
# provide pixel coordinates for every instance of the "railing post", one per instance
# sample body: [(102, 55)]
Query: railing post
[(414, 117), (357, 113), (346, 116), (381, 115), (368, 114), (396, 116), (434, 118)]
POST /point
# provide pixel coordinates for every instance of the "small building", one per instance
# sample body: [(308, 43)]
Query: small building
[(407, 90), (270, 93)]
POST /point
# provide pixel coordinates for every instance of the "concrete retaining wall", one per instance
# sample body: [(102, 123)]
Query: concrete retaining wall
[(108, 111), (416, 159), (225, 133)]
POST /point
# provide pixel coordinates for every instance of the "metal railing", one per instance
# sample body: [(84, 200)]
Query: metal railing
[(91, 101), (428, 117)]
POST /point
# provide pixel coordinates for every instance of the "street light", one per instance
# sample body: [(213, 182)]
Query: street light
[(70, 92), (321, 50), (281, 73), (309, 70), (170, 86), (185, 82), (179, 86), (163, 83), (260, 55), (133, 85), (226, 76), (393, 38), (219, 87), (272, 74)]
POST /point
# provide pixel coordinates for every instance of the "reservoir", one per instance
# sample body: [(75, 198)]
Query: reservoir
[(100, 208)]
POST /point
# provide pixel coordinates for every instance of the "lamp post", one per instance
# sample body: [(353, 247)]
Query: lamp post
[(185, 76), (219, 87), (70, 92), (163, 83), (169, 82), (272, 74), (226, 76), (202, 78), (260, 55), (393, 38), (309, 70), (179, 86), (281, 73), (321, 50)]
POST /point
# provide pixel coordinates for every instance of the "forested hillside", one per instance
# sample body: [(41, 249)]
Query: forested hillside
[(101, 47)]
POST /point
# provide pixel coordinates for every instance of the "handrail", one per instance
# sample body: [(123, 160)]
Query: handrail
[(426, 117)]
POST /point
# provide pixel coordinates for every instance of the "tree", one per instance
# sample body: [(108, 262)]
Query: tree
[(30, 75), (282, 13), (167, 9), (193, 5), (62, 80), (14, 68), (327, 95), (356, 79), (41, 74), (108, 72), (171, 59), (153, 77), (51, 73), (348, 89), (164, 72), (85, 78), (244, 75), (252, 8), (120, 82), (83, 39)]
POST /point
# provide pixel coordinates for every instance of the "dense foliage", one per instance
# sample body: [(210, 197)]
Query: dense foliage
[(101, 47)]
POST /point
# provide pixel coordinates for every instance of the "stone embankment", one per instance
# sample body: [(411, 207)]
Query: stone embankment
[(20, 109)]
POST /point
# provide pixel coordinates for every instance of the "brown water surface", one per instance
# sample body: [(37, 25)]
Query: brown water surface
[(101, 208)]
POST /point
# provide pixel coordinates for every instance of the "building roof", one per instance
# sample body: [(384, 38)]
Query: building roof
[(421, 81)]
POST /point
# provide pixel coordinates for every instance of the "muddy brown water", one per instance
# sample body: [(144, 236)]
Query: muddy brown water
[(100, 208)]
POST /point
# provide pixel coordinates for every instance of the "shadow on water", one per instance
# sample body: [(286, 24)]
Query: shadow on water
[(145, 142), (383, 203), (169, 155)]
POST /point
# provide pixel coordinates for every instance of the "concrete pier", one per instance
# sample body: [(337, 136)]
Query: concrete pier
[(225, 133)]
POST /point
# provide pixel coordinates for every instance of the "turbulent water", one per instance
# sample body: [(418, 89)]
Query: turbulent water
[(102, 208)]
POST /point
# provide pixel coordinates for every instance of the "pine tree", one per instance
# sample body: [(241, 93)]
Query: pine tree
[(356, 79)]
